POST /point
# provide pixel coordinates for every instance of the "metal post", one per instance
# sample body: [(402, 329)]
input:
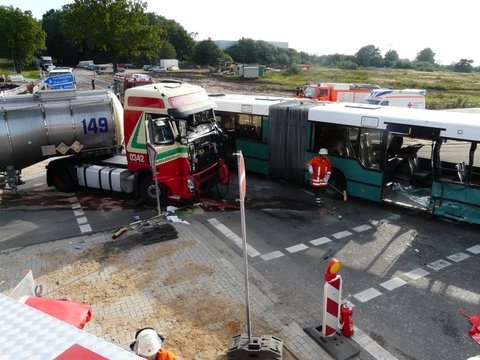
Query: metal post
[(242, 187)]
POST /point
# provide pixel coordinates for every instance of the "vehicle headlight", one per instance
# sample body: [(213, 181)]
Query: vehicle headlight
[(191, 184)]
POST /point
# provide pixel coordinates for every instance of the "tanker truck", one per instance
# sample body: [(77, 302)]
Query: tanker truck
[(167, 127)]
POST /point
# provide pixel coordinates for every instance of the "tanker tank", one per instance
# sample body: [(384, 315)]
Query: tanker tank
[(55, 123)]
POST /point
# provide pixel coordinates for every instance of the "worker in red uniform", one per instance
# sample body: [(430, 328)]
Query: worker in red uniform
[(148, 344), (320, 170)]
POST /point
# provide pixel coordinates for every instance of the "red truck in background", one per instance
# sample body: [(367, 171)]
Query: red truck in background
[(340, 92)]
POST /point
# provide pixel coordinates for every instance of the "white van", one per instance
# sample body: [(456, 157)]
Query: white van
[(105, 69), (85, 64), (411, 98)]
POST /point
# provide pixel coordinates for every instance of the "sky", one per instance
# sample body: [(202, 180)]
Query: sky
[(323, 27)]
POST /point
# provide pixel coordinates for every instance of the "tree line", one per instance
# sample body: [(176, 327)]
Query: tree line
[(123, 31)]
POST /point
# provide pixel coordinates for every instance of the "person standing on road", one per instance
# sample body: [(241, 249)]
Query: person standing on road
[(320, 170), (148, 344), (93, 84)]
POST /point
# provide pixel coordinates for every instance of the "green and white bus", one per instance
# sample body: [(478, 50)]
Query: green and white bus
[(424, 159)]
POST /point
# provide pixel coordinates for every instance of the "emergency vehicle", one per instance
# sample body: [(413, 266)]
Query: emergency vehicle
[(410, 98)]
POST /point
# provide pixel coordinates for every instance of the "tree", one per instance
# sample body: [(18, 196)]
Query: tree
[(369, 56), (426, 55), (463, 66), (173, 33), (58, 44), (391, 58), (117, 27), (22, 36), (206, 52)]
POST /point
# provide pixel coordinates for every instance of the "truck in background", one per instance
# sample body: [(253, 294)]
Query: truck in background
[(335, 92), (122, 82), (169, 64), (103, 146), (411, 98), (46, 62)]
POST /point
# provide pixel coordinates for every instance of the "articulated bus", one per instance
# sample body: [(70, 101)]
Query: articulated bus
[(422, 159)]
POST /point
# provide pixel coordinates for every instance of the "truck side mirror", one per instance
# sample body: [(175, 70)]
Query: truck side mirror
[(182, 129)]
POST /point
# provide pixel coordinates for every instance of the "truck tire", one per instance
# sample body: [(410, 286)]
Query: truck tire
[(148, 194), (61, 178)]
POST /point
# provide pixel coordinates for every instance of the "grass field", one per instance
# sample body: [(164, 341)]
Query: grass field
[(445, 89)]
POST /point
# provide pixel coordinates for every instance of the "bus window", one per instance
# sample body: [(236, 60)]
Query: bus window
[(454, 160), (369, 154), (339, 140), (249, 127)]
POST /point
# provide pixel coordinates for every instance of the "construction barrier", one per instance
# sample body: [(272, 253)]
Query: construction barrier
[(332, 295)]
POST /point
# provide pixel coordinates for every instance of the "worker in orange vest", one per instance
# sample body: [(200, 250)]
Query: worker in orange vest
[(320, 170), (148, 344)]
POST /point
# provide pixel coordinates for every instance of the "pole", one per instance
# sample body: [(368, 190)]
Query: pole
[(242, 187)]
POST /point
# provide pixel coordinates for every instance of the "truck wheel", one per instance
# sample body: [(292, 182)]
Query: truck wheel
[(336, 186), (148, 194), (61, 179)]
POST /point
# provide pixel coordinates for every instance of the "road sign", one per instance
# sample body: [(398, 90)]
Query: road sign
[(59, 79), (62, 86)]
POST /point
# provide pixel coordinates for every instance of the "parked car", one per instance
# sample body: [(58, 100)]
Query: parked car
[(147, 67), (173, 68), (157, 68)]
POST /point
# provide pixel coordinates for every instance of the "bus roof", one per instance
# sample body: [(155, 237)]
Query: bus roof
[(453, 124), (248, 104)]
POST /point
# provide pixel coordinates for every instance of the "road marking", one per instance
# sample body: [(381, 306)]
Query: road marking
[(342, 234), (82, 220), (362, 228), (369, 345), (393, 283), (439, 264), (272, 255), (320, 241), (296, 248), (417, 273), (474, 249), (237, 240), (367, 295), (460, 256)]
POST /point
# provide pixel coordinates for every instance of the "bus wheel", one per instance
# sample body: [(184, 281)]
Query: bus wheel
[(61, 179), (148, 193), (336, 185)]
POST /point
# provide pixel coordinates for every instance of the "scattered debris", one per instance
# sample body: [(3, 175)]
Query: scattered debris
[(474, 331)]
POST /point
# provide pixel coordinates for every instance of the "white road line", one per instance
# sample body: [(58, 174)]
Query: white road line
[(367, 295), (417, 273), (272, 255), (342, 234), (370, 346), (320, 241), (237, 240), (439, 264), (362, 228), (474, 249), (296, 248), (393, 283), (457, 257)]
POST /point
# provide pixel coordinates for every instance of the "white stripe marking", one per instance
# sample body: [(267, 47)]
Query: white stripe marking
[(342, 234), (82, 220), (320, 241), (296, 248), (393, 283), (85, 228), (439, 264), (367, 295), (237, 240), (272, 255), (371, 346), (474, 249), (362, 228), (76, 206), (78, 212), (417, 273), (460, 256)]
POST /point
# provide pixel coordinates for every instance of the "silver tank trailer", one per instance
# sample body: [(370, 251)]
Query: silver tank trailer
[(54, 123)]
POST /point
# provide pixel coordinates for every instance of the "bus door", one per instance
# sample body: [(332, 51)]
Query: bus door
[(456, 183)]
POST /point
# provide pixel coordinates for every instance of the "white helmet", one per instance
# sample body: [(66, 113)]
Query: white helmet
[(323, 151), (147, 342)]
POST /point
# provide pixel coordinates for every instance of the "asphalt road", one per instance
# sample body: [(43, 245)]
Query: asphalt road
[(407, 275)]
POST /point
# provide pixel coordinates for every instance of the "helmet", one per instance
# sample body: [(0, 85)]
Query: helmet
[(323, 151), (147, 342)]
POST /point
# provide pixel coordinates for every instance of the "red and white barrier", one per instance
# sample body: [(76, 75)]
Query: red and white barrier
[(332, 295)]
